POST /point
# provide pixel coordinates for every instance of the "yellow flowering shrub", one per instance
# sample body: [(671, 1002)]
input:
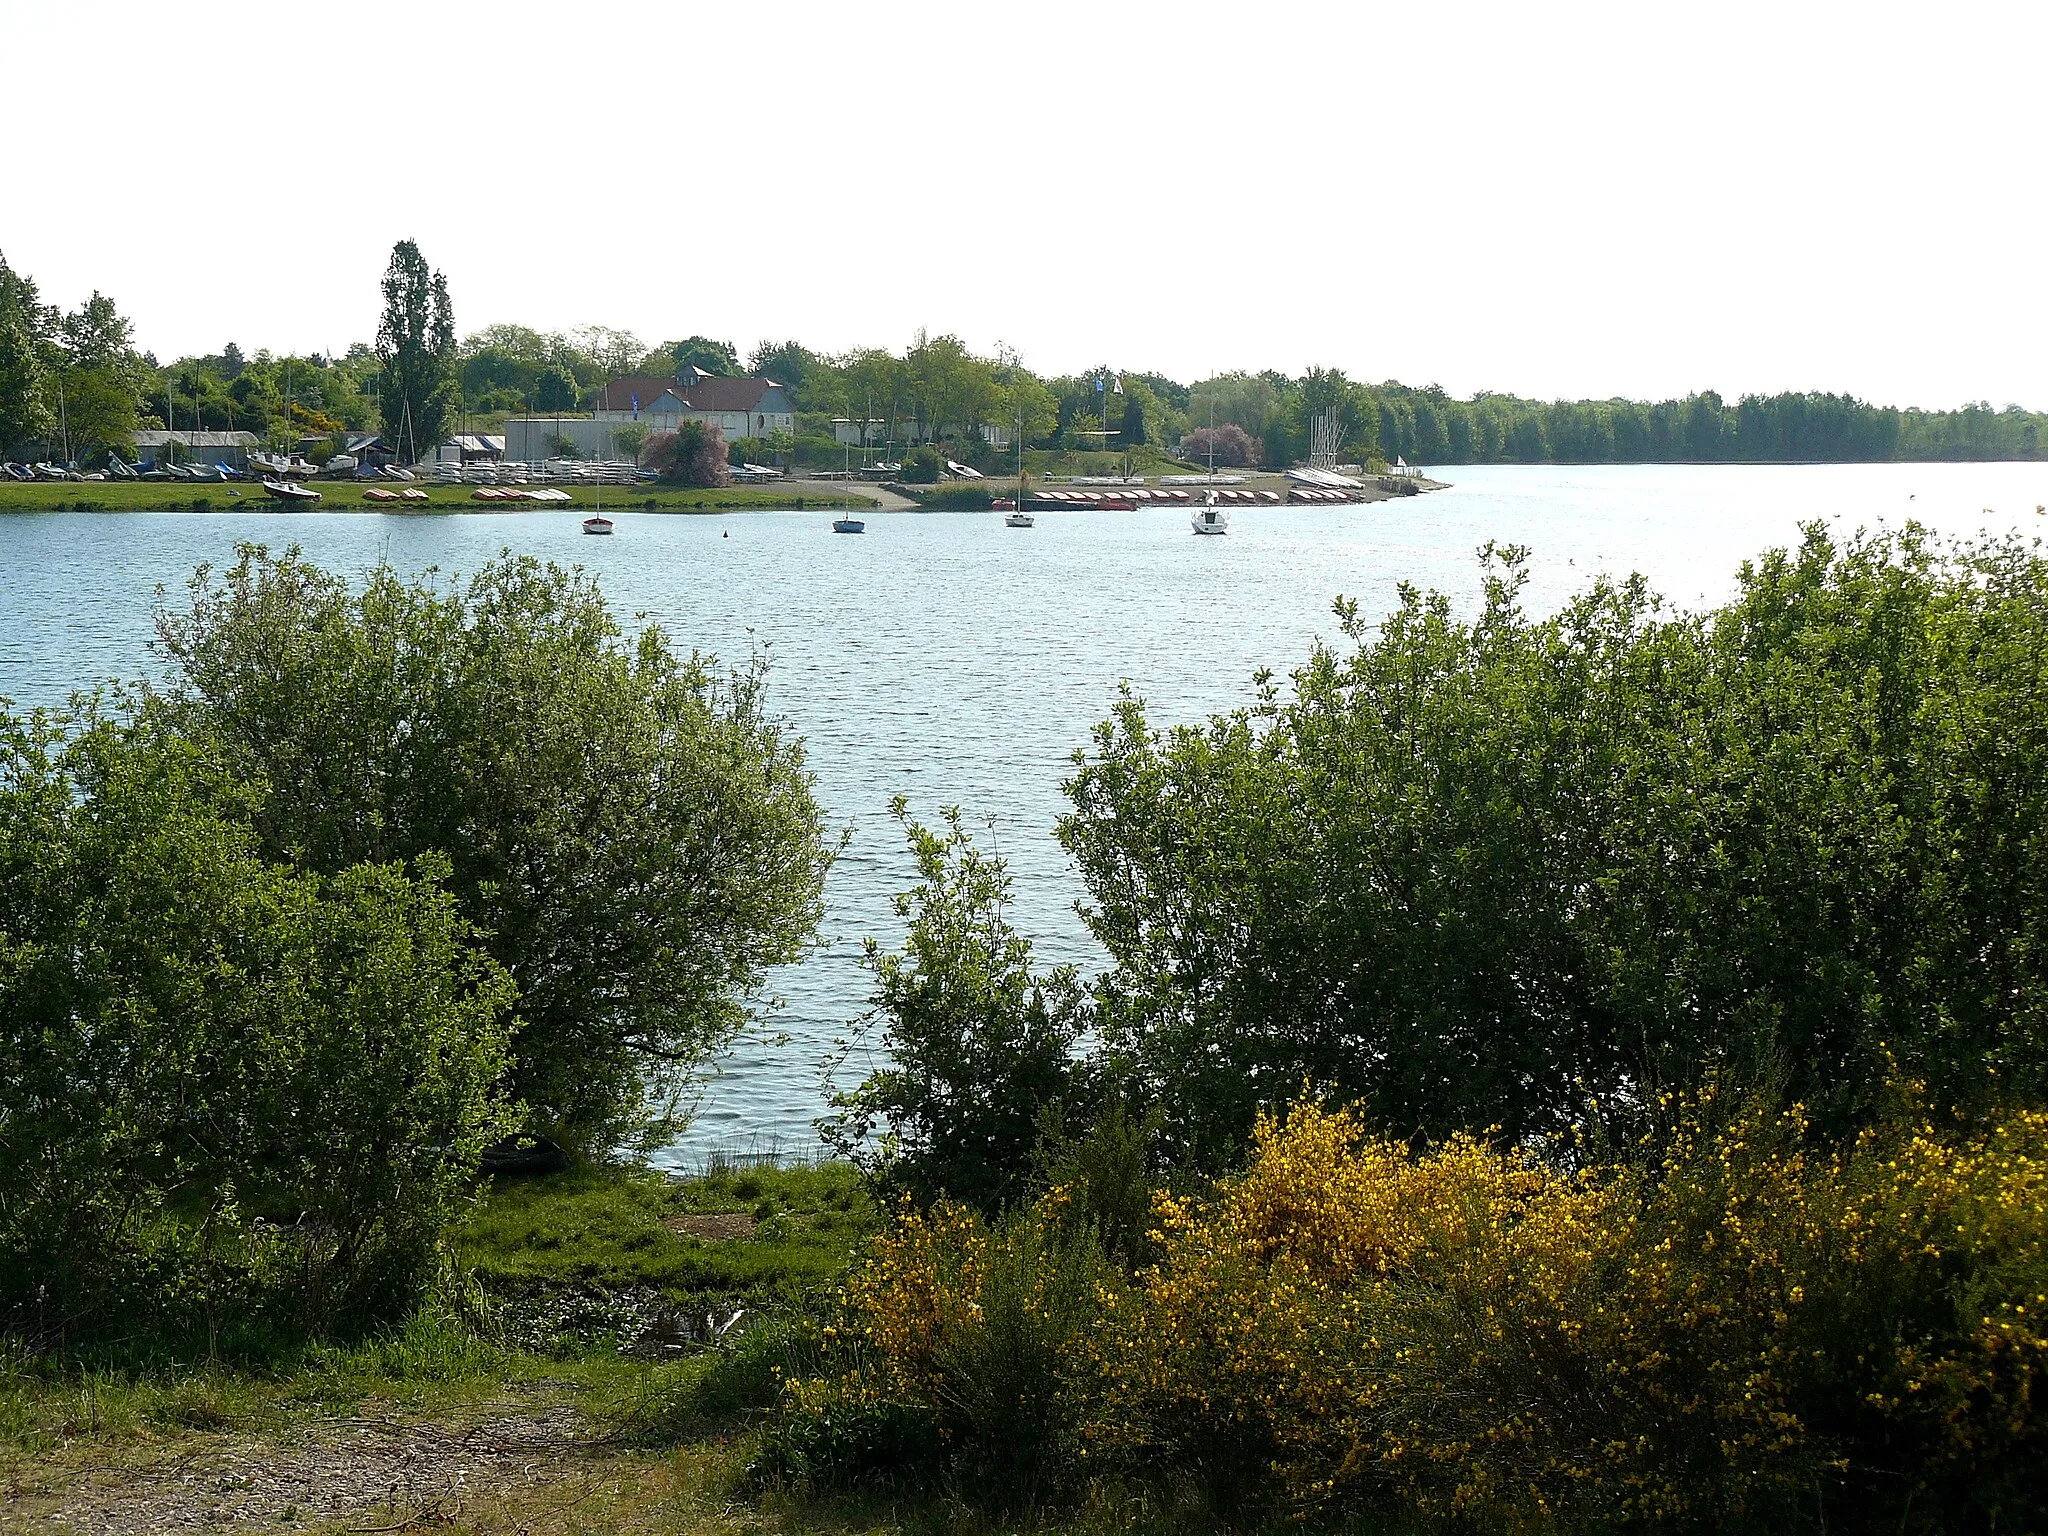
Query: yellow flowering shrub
[(1736, 1325), (966, 1338)]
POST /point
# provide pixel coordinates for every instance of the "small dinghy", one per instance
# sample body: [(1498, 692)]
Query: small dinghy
[(848, 525), (289, 490), (598, 524)]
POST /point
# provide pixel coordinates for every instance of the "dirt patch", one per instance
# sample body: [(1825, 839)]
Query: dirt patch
[(713, 1226), (364, 1473)]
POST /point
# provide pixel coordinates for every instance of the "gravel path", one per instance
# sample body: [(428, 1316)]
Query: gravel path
[(371, 1474)]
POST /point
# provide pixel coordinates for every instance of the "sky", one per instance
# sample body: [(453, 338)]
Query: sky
[(1557, 199)]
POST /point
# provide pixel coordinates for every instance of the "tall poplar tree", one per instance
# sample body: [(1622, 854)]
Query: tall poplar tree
[(25, 411), (416, 345)]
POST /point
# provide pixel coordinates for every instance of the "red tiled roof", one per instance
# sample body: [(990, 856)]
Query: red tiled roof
[(618, 395), (716, 394)]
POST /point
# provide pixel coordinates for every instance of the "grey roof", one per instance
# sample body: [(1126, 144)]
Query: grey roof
[(156, 438)]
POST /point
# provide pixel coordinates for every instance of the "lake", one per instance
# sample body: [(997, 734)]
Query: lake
[(956, 661)]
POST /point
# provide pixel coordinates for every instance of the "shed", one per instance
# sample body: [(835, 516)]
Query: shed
[(229, 448)]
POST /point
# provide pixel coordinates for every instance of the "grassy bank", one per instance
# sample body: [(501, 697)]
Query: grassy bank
[(521, 1398), (123, 496)]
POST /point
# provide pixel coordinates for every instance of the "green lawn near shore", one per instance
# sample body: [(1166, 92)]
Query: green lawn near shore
[(532, 1392), (347, 496), (744, 1237)]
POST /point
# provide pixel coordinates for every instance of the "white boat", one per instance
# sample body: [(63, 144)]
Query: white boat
[(1018, 519), (1210, 517), (597, 524), (290, 490)]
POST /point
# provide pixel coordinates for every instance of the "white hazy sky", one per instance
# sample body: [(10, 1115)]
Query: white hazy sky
[(1549, 199)]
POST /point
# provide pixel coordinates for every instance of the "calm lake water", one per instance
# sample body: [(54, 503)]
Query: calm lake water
[(956, 661)]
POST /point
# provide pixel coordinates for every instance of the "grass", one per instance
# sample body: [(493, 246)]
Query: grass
[(346, 496), (753, 1237), (656, 1456)]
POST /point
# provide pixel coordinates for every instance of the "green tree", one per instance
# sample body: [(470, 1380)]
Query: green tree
[(1133, 418), (630, 439), (702, 352), (633, 832), (978, 1046), (554, 390), (790, 364), (99, 411), (195, 1037), (874, 387), (416, 346), (27, 411)]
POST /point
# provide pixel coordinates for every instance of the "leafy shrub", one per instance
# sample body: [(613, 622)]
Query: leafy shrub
[(1734, 1325), (236, 1097), (1727, 1333), (728, 1388), (968, 496), (1234, 447), (922, 465), (954, 1351), (1466, 872), (695, 455), (978, 1045), (632, 832), (1103, 1175)]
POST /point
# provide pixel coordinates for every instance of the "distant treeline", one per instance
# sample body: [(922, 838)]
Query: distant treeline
[(1425, 426), (73, 386)]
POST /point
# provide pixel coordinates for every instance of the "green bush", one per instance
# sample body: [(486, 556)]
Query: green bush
[(1470, 873), (978, 1045), (922, 466), (953, 1354), (968, 496), (237, 1098), (730, 1388), (632, 832)]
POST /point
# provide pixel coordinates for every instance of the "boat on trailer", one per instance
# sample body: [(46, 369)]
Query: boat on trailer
[(290, 490)]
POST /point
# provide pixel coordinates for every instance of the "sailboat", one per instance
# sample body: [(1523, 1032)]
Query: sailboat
[(1209, 517), (1018, 517)]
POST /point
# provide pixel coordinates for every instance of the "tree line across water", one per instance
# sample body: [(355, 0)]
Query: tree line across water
[(73, 385)]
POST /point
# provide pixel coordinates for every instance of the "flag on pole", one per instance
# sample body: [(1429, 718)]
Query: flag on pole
[(1098, 383), (636, 407)]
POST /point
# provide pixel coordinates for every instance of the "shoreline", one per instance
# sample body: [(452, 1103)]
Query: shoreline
[(59, 496)]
